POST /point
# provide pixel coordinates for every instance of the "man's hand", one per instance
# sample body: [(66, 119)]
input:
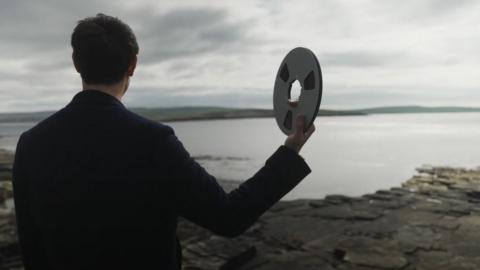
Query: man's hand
[(299, 138)]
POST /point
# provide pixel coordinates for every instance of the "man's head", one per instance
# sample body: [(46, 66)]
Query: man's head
[(104, 50)]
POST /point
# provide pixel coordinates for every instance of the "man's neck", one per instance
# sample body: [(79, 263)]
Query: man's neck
[(116, 90)]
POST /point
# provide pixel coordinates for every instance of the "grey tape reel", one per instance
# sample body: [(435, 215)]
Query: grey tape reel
[(302, 65)]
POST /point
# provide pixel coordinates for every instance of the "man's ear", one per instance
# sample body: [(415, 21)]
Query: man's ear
[(132, 66), (75, 63)]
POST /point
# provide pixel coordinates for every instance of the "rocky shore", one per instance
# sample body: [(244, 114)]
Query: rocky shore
[(9, 250), (431, 222)]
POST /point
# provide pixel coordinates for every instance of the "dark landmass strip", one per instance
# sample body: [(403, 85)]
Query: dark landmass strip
[(177, 114), (217, 158), (415, 109), (431, 222), (211, 113)]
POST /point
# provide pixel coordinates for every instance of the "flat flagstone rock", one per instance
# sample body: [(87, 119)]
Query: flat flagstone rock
[(370, 252)]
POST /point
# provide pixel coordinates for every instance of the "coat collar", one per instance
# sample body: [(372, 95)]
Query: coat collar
[(94, 98)]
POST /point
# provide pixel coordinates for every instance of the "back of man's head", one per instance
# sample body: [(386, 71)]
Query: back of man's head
[(103, 48)]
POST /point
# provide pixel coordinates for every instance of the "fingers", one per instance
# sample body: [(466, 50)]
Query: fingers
[(300, 125), (309, 132), (296, 140)]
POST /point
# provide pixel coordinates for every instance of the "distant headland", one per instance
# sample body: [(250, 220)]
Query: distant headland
[(167, 114)]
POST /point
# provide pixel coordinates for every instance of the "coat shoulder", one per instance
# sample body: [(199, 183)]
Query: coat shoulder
[(153, 126)]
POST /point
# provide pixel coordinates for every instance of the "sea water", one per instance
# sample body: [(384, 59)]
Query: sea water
[(350, 155)]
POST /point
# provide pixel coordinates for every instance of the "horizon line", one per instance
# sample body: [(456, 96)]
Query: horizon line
[(262, 108)]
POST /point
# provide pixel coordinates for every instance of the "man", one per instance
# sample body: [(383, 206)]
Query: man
[(99, 187)]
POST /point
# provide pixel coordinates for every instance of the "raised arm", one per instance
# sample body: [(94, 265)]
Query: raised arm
[(199, 198)]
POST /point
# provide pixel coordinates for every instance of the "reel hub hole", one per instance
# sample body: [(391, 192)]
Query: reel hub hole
[(295, 91)]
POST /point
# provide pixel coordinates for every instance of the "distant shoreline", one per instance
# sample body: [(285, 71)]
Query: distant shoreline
[(217, 113)]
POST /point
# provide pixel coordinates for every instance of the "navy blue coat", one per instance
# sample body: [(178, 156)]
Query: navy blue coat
[(97, 186)]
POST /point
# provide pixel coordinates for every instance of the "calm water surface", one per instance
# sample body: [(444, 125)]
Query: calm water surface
[(347, 155)]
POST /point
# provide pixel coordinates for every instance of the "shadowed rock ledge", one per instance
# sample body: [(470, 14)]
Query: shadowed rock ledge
[(431, 222)]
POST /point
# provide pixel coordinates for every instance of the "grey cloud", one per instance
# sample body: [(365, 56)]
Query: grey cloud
[(167, 97), (382, 59), (195, 45), (361, 58), (186, 32), (362, 96), (51, 64), (35, 98), (446, 6), (38, 34), (425, 12), (30, 26)]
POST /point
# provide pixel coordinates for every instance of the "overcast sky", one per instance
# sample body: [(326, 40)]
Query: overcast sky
[(226, 53)]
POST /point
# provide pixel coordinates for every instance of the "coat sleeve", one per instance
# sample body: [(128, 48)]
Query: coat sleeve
[(200, 199), (28, 235)]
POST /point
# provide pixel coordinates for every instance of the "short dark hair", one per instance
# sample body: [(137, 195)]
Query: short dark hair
[(103, 48)]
